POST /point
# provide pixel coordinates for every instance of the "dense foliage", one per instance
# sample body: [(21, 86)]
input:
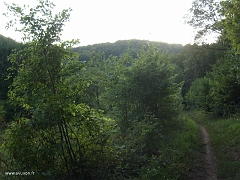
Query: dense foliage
[(218, 91), (52, 135), (141, 95), (7, 45), (59, 129), (112, 110), (196, 61)]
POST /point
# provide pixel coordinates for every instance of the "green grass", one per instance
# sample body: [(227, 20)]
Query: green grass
[(177, 153), (225, 139)]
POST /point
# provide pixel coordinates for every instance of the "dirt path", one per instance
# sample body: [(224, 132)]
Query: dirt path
[(209, 159), (204, 166)]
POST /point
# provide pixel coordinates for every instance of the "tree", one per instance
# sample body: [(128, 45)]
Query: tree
[(53, 135), (145, 88), (96, 72), (231, 12), (204, 17), (197, 61), (219, 90), (223, 17)]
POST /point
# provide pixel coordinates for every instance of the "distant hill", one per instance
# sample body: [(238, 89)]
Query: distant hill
[(121, 46)]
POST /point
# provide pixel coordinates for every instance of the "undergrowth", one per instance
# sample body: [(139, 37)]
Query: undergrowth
[(175, 160)]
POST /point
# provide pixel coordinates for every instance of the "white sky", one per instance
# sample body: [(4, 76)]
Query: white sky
[(99, 21)]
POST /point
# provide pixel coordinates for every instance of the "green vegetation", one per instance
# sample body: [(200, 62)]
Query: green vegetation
[(214, 97), (176, 156), (59, 129), (225, 139), (219, 91), (124, 110), (6, 47)]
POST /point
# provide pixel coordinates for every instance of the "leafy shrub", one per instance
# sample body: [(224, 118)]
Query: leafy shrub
[(219, 90)]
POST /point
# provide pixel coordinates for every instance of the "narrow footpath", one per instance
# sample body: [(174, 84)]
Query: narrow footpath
[(204, 166), (209, 159)]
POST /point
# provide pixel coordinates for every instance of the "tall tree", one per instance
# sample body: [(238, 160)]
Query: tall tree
[(204, 17), (145, 88), (231, 12), (223, 17), (53, 135)]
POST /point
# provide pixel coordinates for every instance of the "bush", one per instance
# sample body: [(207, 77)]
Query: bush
[(219, 90)]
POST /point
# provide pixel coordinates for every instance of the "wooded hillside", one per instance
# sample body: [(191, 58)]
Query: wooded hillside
[(122, 46)]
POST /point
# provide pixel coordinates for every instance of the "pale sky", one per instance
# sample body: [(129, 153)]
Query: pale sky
[(100, 21)]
